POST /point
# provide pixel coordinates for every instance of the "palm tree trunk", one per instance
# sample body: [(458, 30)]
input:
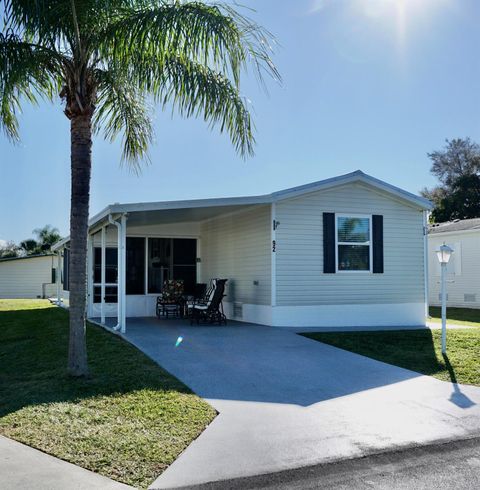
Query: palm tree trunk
[(81, 163)]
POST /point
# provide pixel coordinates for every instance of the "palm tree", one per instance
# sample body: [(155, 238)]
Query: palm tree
[(47, 236), (30, 246), (107, 59)]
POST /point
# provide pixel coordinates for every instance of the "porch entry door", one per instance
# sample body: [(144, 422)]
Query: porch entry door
[(111, 281), (172, 258)]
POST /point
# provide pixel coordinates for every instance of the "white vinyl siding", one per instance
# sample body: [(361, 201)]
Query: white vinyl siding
[(237, 247), (24, 278), (463, 270), (299, 270)]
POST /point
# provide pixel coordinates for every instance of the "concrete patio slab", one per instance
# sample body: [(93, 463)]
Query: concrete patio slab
[(285, 401), (24, 467)]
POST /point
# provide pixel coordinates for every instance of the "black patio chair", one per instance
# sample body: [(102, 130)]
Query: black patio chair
[(170, 301), (212, 310)]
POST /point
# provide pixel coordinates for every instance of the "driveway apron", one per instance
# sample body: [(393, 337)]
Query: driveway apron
[(285, 401)]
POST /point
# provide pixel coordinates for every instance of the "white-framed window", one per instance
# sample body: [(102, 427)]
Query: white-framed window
[(353, 243)]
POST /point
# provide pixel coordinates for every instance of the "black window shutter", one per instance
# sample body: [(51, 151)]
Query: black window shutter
[(377, 234), (328, 243)]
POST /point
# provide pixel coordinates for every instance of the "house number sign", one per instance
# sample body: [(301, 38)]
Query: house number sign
[(274, 246)]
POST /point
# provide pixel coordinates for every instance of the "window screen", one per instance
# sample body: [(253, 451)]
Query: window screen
[(353, 242)]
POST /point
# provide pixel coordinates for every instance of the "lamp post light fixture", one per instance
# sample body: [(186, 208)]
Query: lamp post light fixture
[(443, 254)]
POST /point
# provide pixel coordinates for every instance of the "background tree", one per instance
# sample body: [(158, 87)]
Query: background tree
[(47, 236), (462, 202), (457, 167), (106, 58), (30, 247), (8, 250)]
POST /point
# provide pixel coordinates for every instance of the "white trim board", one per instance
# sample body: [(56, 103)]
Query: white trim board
[(352, 315)]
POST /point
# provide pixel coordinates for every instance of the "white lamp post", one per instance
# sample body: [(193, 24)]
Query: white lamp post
[(443, 255)]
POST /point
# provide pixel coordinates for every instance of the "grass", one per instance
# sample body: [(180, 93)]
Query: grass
[(459, 316), (128, 421), (417, 350)]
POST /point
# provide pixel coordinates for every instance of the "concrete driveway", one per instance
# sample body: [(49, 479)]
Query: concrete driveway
[(285, 401)]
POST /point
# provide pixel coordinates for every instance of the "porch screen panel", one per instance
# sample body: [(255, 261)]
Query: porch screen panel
[(111, 275), (159, 263), (111, 265), (185, 262), (135, 276)]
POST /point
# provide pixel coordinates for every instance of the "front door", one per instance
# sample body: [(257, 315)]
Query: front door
[(111, 281)]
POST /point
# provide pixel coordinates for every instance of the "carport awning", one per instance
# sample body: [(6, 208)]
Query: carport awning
[(186, 215)]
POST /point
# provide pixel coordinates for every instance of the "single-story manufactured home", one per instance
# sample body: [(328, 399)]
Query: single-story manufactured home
[(28, 277), (346, 251), (463, 269)]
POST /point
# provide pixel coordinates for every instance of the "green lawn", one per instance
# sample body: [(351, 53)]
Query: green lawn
[(128, 421), (459, 316), (418, 350)]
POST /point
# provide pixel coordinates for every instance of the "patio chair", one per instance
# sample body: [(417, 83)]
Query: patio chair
[(201, 299), (211, 311), (170, 300)]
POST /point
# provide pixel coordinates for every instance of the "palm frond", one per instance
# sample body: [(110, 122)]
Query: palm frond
[(49, 22), (123, 109), (212, 34), (196, 90), (26, 71)]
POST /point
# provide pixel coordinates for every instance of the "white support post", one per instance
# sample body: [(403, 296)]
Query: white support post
[(102, 279), (273, 250), (89, 274), (119, 270), (58, 278), (123, 231), (146, 267)]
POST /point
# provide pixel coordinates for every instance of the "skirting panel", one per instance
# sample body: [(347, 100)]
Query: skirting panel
[(370, 315)]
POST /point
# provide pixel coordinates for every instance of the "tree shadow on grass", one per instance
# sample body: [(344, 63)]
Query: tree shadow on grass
[(457, 314), (33, 360)]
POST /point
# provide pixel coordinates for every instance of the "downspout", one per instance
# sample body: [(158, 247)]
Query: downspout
[(425, 262), (119, 273)]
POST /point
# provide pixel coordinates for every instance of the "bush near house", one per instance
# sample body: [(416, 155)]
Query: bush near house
[(129, 420)]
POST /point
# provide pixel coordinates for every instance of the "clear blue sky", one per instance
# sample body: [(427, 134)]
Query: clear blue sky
[(368, 84)]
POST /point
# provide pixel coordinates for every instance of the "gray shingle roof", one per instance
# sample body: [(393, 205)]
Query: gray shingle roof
[(455, 225)]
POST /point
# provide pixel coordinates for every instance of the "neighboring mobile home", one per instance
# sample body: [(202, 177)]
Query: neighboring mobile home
[(28, 277), (346, 251), (463, 269)]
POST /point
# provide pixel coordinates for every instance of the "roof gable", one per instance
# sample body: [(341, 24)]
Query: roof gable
[(355, 177)]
